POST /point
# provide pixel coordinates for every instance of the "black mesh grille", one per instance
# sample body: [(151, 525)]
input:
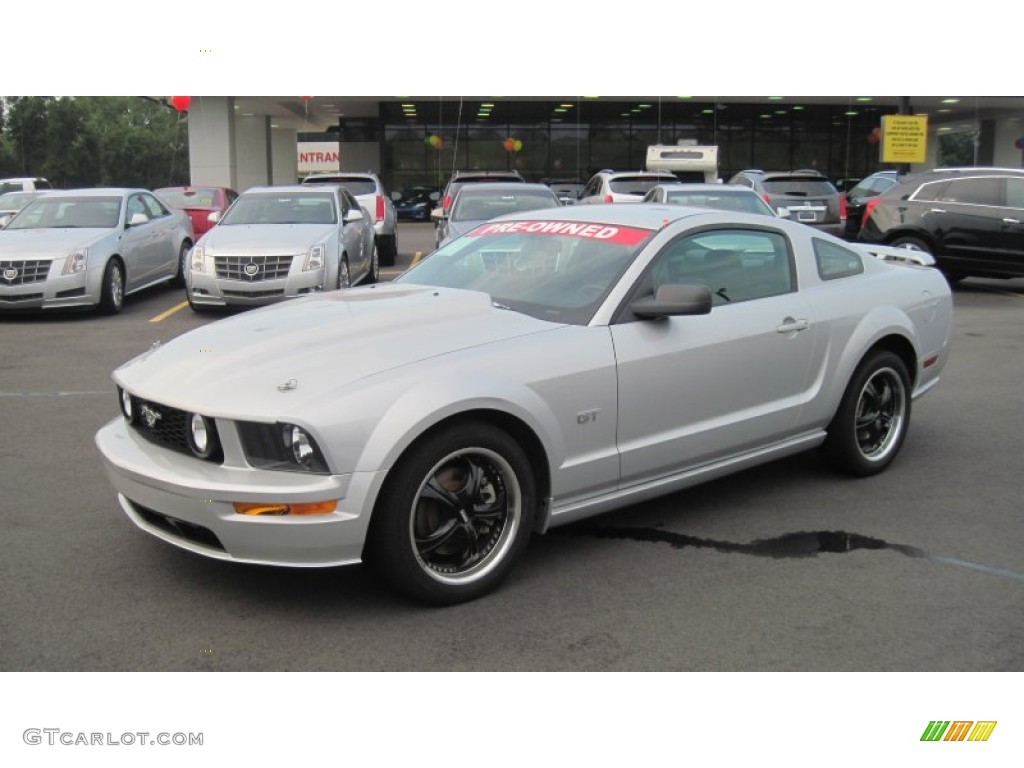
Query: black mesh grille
[(169, 427), (179, 528), (253, 294)]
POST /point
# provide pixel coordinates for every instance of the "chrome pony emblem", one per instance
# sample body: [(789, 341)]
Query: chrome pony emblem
[(150, 416)]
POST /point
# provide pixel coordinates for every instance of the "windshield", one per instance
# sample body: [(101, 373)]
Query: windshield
[(15, 201), (724, 200), (358, 185), (552, 270), (637, 185), (288, 208), (68, 212), (192, 197), (480, 205)]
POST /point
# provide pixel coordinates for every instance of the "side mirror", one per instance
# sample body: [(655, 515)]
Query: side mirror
[(434, 196), (674, 299), (137, 219), (396, 197), (214, 218), (354, 214), (438, 214)]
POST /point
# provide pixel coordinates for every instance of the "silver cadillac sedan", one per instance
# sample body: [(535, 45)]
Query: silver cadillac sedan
[(547, 366), (89, 248), (276, 243)]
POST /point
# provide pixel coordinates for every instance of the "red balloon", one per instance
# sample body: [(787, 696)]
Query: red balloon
[(181, 103)]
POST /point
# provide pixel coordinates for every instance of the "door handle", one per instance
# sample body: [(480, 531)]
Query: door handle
[(789, 325)]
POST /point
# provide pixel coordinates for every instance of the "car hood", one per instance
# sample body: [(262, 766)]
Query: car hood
[(268, 361), (264, 239), (46, 243)]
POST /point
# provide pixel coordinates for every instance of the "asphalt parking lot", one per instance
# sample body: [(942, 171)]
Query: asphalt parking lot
[(785, 567)]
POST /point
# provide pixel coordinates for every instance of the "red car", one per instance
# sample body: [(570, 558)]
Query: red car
[(198, 203)]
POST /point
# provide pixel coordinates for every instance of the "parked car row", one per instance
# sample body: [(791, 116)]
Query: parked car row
[(90, 248)]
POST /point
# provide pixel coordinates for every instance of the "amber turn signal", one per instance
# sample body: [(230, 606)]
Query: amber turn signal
[(280, 510)]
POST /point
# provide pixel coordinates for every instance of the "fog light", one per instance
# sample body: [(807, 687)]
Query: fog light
[(271, 509), (126, 405), (202, 438)]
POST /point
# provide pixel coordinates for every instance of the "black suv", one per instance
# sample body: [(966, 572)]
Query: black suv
[(858, 196), (808, 195), (970, 219)]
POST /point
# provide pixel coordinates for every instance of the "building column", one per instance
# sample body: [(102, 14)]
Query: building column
[(252, 151), (284, 164), (211, 141)]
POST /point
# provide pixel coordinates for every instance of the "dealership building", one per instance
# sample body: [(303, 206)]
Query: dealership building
[(244, 141)]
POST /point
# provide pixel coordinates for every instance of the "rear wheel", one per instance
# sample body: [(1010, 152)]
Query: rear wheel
[(112, 289), (179, 278), (873, 417), (388, 247), (455, 513), (374, 274)]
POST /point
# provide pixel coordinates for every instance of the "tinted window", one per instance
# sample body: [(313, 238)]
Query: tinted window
[(1015, 193), (799, 187), (930, 192), (636, 185), (834, 261), (974, 191), (193, 197), (736, 265)]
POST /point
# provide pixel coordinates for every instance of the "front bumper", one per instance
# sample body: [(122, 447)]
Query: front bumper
[(188, 502), (205, 289), (46, 287)]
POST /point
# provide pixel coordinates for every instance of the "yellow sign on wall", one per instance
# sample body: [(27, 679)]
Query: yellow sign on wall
[(904, 138)]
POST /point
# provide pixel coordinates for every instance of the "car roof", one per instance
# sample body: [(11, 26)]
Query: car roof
[(695, 187), (471, 190), (291, 188), (95, 192)]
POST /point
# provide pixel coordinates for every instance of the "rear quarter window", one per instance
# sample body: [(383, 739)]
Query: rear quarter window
[(834, 261)]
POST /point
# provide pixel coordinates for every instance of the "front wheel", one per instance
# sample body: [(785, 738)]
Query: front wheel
[(112, 289), (873, 417), (455, 513), (344, 278)]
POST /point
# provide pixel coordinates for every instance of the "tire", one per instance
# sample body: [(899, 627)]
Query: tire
[(344, 276), (112, 289), (179, 279), (444, 544), (873, 417), (911, 243), (388, 247), (374, 274)]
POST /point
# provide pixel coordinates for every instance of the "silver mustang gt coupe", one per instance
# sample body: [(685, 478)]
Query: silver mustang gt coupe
[(547, 366), (276, 243), (90, 247)]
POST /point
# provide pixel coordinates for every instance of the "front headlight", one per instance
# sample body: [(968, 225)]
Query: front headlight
[(197, 260), (76, 261), (315, 258), (281, 446)]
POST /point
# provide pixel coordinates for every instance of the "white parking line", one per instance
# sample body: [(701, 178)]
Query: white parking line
[(168, 313)]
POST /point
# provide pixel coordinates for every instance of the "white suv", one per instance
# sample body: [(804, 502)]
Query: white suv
[(24, 185), (368, 190), (623, 186)]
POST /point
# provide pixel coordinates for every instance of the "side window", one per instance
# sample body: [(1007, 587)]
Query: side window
[(154, 209), (591, 188), (974, 191), (834, 261), (929, 192), (1015, 193), (736, 265), (135, 206)]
